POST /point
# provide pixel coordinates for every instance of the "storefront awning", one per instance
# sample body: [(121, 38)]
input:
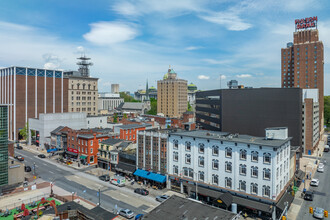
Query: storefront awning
[(150, 175), (300, 174), (52, 150), (286, 198), (71, 153), (83, 157)]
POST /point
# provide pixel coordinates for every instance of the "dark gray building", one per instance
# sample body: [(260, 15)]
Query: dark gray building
[(3, 145), (250, 111)]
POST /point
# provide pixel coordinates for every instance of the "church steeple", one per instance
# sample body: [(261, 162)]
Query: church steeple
[(147, 91)]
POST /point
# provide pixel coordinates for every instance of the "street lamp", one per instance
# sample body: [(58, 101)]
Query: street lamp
[(72, 195)]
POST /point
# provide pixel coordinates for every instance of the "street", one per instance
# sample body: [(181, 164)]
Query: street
[(87, 186), (321, 193)]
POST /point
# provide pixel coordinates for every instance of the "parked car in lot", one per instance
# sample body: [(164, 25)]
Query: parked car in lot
[(126, 213), (326, 148), (162, 198), (318, 213), (105, 178), (27, 169), (141, 191), (42, 155), (315, 182), (309, 196), (20, 158), (320, 168)]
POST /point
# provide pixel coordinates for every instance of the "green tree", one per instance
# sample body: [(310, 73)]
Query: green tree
[(115, 118), (327, 111), (25, 132), (125, 116), (153, 105), (127, 98)]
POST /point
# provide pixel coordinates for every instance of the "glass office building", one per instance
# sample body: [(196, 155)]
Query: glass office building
[(3, 145)]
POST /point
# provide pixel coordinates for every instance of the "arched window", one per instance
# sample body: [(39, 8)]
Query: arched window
[(175, 156), (201, 175), (242, 185), (201, 161), (188, 158), (228, 182), (175, 170), (254, 188), (267, 158), (266, 191), (84, 85), (215, 164), (266, 174), (228, 152), (254, 171), (254, 156), (188, 146), (175, 144), (228, 167), (215, 150), (201, 148), (242, 169), (215, 179), (242, 154)]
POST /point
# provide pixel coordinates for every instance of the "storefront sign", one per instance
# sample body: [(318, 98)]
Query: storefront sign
[(306, 23), (73, 150)]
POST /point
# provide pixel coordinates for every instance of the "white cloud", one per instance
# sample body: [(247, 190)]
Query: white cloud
[(223, 77), (203, 77), (80, 49), (193, 48), (228, 19), (109, 33), (244, 76), (213, 61)]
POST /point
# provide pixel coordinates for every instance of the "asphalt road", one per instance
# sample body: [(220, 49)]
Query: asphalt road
[(321, 193), (49, 170)]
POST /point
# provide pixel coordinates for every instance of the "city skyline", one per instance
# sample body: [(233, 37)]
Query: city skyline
[(130, 41)]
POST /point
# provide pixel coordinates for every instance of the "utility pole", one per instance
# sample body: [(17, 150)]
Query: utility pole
[(99, 196)]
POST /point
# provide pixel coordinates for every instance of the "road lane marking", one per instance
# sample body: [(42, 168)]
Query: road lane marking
[(123, 195), (51, 172)]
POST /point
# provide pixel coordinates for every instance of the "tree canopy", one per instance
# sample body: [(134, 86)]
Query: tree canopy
[(127, 98), (327, 111), (153, 105)]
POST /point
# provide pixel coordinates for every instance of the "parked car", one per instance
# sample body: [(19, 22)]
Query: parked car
[(162, 198), (326, 148), (105, 178), (20, 158), (138, 216), (42, 155), (318, 213), (27, 169), (315, 182), (320, 168), (126, 213), (141, 191), (19, 147), (309, 196)]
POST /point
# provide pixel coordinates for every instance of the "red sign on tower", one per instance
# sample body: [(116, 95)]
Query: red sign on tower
[(305, 23)]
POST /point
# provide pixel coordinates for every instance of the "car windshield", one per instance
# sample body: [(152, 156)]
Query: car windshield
[(129, 212), (318, 210)]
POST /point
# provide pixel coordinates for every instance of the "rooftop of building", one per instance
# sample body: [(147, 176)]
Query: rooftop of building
[(181, 208), (226, 136), (91, 136), (131, 105), (132, 126), (111, 141)]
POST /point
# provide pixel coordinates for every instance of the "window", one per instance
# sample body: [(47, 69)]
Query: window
[(176, 144), (215, 179), (242, 169), (242, 154), (267, 158), (188, 146), (277, 172), (254, 171), (91, 143), (242, 185), (228, 167), (254, 156), (188, 158), (266, 174), (215, 164), (86, 150), (201, 176), (201, 148), (215, 150), (201, 161), (266, 191), (185, 171), (228, 152), (254, 188), (175, 156), (91, 150), (228, 182)]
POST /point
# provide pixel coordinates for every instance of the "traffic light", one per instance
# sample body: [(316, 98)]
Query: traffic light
[(311, 210), (326, 213), (283, 218)]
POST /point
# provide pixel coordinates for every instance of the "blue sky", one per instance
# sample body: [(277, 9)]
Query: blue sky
[(130, 41)]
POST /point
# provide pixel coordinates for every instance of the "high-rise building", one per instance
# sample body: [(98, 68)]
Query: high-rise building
[(82, 89), (3, 145), (303, 61), (115, 88), (172, 95), (29, 92)]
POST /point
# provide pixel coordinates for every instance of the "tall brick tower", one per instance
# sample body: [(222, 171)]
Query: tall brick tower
[(303, 61)]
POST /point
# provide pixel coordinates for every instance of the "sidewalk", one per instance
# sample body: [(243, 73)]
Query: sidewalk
[(308, 165)]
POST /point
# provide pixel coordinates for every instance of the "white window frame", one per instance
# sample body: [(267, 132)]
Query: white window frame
[(215, 176), (188, 143), (200, 159), (215, 161), (175, 156), (186, 158), (242, 183), (215, 148), (253, 154), (201, 146), (229, 152), (267, 155), (228, 180), (254, 168), (267, 171), (201, 174), (175, 144), (241, 167), (254, 188), (227, 165), (241, 153), (264, 190)]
